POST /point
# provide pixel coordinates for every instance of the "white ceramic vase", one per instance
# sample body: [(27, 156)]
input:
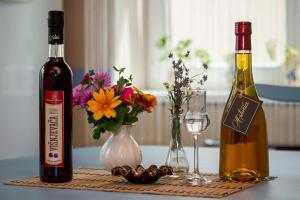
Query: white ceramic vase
[(120, 149)]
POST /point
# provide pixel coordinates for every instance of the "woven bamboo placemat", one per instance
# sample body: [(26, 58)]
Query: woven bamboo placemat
[(100, 180)]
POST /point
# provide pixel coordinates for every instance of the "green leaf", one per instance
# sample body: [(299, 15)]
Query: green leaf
[(91, 119), (183, 44), (97, 133), (121, 82), (164, 57), (122, 70), (114, 124), (181, 48), (132, 119), (91, 72), (162, 42), (203, 56), (116, 69)]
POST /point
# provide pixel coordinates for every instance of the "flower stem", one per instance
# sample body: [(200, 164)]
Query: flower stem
[(176, 134)]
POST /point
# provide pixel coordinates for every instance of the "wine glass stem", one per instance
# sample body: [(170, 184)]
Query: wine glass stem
[(196, 162)]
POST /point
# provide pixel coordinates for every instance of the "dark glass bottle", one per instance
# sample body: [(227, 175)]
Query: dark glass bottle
[(55, 90)]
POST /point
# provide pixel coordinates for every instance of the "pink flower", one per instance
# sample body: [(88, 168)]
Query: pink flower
[(86, 78), (85, 97), (116, 88), (127, 95), (81, 95), (77, 91), (101, 79)]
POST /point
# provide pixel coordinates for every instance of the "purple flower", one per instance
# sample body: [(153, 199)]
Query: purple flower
[(81, 95), (86, 96), (86, 78), (77, 91), (91, 82), (101, 79)]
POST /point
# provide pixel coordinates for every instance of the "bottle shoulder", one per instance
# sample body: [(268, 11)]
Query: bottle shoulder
[(250, 91), (56, 66)]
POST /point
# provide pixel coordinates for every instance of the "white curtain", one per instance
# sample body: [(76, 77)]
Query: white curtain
[(124, 32), (97, 34), (210, 25), (118, 33)]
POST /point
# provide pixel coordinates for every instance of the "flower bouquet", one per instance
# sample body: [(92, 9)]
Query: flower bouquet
[(113, 108), (110, 106)]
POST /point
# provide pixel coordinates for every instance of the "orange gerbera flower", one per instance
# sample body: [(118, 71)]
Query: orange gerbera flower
[(104, 103), (145, 101), (151, 102)]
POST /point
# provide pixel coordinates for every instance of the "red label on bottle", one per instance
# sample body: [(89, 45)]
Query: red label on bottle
[(54, 128)]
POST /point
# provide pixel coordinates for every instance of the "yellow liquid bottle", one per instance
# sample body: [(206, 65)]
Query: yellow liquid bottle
[(244, 157)]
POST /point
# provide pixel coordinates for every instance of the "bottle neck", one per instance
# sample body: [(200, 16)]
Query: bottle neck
[(56, 50), (243, 71), (243, 42), (56, 42)]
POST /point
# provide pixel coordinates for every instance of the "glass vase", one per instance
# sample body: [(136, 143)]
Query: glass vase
[(176, 157)]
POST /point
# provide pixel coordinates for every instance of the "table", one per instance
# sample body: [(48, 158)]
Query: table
[(284, 164)]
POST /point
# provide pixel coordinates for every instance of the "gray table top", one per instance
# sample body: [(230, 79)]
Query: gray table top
[(284, 164)]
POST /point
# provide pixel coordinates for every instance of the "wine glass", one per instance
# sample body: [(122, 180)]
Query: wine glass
[(196, 121)]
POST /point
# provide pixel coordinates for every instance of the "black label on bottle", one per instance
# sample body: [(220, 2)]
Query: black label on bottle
[(242, 113), (55, 35)]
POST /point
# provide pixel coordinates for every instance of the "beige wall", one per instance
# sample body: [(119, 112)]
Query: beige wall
[(23, 51), (74, 33), (74, 53)]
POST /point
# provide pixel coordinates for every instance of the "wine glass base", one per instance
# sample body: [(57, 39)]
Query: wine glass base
[(197, 179)]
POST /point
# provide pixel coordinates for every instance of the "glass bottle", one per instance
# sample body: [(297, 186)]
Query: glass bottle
[(55, 91), (244, 157)]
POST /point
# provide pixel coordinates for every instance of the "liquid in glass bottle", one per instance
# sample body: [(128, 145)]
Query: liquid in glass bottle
[(55, 101), (244, 157)]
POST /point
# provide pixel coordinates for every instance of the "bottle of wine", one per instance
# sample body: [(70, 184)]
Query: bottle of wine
[(244, 145), (55, 91)]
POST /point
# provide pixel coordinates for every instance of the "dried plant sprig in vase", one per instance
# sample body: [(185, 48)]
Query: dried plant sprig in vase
[(178, 93)]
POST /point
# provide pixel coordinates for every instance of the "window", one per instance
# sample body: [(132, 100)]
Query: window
[(125, 33), (210, 25)]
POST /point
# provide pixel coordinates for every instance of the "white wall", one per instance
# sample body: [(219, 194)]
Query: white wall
[(23, 50)]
